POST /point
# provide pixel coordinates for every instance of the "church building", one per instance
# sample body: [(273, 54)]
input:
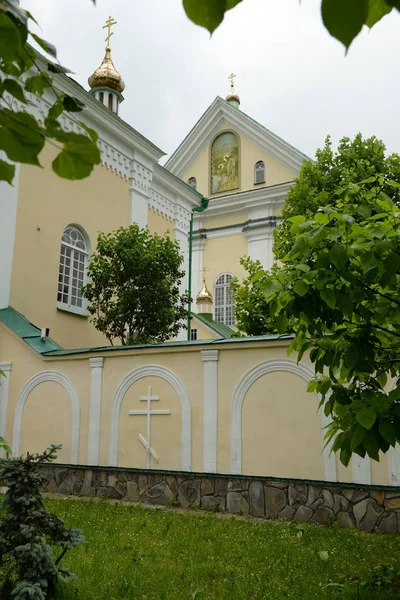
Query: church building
[(224, 404)]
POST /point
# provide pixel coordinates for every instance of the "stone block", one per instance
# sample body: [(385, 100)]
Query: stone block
[(371, 517), (340, 504), (61, 474), (142, 484), (66, 486), (171, 482), (278, 484), (348, 494), (275, 501), (236, 504), (102, 492), (50, 488), (132, 491), (234, 485), (323, 514), (221, 486), (286, 514), (245, 484), (393, 494), (317, 503), (359, 495), (101, 478), (154, 479), (297, 494), (158, 494), (328, 498), (314, 492), (117, 489), (359, 510), (88, 488), (392, 504), (212, 503), (156, 490), (189, 493), (256, 497), (388, 524), (378, 496), (122, 477), (345, 519), (207, 487), (303, 514)]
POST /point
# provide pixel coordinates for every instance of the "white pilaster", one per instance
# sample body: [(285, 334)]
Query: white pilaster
[(182, 237), (259, 246), (4, 387), (142, 176), (8, 212), (361, 469), (210, 410), (96, 368)]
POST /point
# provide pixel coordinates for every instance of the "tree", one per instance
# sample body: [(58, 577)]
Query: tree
[(28, 531), (22, 137), (252, 312), (320, 181), (343, 19), (340, 284), (134, 286)]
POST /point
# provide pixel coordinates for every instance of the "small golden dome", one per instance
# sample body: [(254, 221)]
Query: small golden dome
[(233, 97), (106, 75), (204, 295)]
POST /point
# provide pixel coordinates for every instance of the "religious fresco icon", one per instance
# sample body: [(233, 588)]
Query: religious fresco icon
[(225, 163)]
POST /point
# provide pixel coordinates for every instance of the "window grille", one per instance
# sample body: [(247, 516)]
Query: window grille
[(193, 335), (74, 256), (224, 306), (259, 172)]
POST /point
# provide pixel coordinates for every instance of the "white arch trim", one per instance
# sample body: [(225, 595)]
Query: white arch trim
[(72, 393), (394, 456), (269, 366), (177, 384)]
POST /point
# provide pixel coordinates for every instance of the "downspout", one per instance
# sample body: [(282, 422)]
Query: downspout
[(202, 207)]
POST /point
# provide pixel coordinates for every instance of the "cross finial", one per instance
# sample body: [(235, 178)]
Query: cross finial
[(109, 23), (204, 270), (231, 77)]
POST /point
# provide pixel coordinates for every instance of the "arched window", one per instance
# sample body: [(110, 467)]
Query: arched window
[(74, 257), (192, 181), (110, 101), (101, 97), (224, 306), (259, 172)]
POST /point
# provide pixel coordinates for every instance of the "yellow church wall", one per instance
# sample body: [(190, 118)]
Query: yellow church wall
[(202, 332), (210, 222), (222, 255), (159, 224), (250, 153), (46, 205), (280, 427)]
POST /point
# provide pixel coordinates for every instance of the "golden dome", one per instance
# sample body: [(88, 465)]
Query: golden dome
[(233, 97), (204, 295), (106, 75)]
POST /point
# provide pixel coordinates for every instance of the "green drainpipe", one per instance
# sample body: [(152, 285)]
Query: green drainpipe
[(202, 206)]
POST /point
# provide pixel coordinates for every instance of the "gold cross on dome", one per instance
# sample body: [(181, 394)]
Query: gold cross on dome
[(231, 77), (109, 23), (204, 270)]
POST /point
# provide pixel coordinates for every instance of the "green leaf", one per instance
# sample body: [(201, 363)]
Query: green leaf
[(387, 431), (270, 288), (338, 256), (208, 13), (366, 416), (345, 457), (76, 161), (312, 385), (56, 68), (377, 10), (299, 247), (72, 104), (47, 47), (37, 84), (13, 88), (20, 136), (281, 323), (57, 108), (344, 18), (324, 555), (329, 297), (357, 438), (345, 303), (371, 446), (7, 172), (10, 39), (300, 287), (392, 263)]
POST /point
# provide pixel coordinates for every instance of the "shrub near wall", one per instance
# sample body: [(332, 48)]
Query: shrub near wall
[(367, 507)]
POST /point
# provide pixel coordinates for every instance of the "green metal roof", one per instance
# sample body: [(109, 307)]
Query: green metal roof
[(224, 331), (26, 331)]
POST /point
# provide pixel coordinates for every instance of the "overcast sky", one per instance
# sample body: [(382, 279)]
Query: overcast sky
[(291, 75)]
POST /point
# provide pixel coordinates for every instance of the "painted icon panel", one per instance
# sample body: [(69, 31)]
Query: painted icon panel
[(225, 163)]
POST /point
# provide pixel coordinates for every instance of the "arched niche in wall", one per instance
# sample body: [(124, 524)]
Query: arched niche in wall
[(225, 163)]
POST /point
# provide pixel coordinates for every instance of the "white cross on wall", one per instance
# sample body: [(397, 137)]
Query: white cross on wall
[(147, 442)]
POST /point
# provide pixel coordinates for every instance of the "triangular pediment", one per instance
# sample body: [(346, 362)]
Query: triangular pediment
[(221, 113)]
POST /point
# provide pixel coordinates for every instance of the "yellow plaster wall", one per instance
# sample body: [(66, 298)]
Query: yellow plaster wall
[(159, 224), (98, 203), (222, 255), (250, 153), (202, 332), (223, 221), (379, 470)]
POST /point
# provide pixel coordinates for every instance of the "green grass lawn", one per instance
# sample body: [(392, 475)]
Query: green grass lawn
[(133, 552)]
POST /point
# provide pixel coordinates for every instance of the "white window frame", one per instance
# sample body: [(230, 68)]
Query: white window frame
[(225, 304), (258, 169), (68, 306), (192, 181), (194, 334)]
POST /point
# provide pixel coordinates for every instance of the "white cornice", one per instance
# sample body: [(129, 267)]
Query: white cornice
[(176, 186), (243, 201), (204, 130)]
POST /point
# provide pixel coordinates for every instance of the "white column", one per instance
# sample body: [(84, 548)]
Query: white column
[(4, 387), (8, 212), (394, 465), (259, 246), (361, 469), (210, 410), (96, 367), (142, 176)]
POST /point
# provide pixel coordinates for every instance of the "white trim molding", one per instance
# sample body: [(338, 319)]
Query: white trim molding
[(8, 221), (177, 384), (210, 410), (72, 393), (394, 457), (268, 366), (96, 381), (4, 389)]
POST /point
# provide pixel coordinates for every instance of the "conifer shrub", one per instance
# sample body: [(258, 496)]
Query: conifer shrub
[(32, 540)]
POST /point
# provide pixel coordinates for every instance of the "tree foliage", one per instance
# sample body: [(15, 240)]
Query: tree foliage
[(252, 313), (28, 531), (320, 181), (344, 19), (340, 284), (22, 136), (134, 286)]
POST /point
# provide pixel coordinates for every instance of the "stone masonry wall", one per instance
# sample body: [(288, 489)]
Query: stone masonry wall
[(367, 508)]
